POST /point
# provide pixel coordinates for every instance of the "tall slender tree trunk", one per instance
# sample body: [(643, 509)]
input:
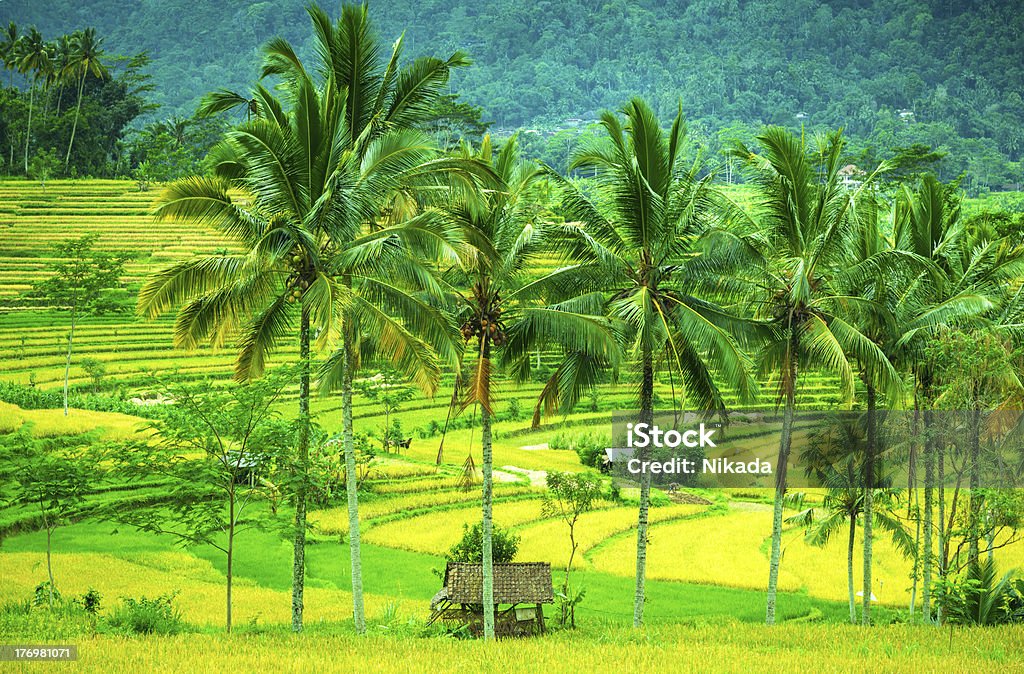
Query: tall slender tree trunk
[(974, 504), (780, 484), (28, 128), (940, 462), (74, 126), (647, 417), (231, 554), (488, 494), (869, 506), (302, 483), (927, 560), (49, 558), (849, 568), (914, 503), (67, 362), (352, 486)]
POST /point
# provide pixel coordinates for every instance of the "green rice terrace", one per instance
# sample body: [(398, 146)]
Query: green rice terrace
[(412, 509)]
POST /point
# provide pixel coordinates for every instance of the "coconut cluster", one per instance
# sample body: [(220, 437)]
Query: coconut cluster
[(298, 280), (487, 323)]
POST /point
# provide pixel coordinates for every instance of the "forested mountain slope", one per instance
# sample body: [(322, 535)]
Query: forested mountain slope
[(956, 66)]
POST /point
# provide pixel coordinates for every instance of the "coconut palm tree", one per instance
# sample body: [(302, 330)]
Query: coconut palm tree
[(86, 59), (964, 285), (9, 50), (284, 222), (639, 258), (63, 48), (503, 312), (836, 457), (803, 220), (34, 59), (383, 159)]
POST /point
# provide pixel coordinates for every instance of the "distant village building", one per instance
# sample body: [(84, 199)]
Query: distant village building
[(851, 177), (906, 115), (520, 591)]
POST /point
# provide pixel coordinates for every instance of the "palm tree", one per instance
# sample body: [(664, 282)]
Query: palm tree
[(803, 223), (34, 59), (380, 158), (86, 59), (964, 277), (503, 311), (634, 259), (836, 457), (9, 48), (62, 52), (285, 223)]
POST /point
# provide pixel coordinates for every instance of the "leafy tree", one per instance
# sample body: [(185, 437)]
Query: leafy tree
[(570, 495), (42, 167), (388, 390), (216, 449), (803, 224), (638, 245), (51, 476), (83, 278)]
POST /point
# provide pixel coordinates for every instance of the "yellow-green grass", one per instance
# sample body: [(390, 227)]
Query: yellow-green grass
[(45, 423), (335, 520), (716, 647), (548, 541), (436, 532), (732, 550), (543, 539), (201, 587)]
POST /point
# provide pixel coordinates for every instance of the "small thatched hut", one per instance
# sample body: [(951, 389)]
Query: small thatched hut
[(520, 591)]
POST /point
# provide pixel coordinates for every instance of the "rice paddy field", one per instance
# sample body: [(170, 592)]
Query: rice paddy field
[(707, 564)]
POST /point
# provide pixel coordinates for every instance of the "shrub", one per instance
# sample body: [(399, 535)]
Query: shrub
[(980, 596), (147, 616), (504, 545), (515, 410), (42, 594)]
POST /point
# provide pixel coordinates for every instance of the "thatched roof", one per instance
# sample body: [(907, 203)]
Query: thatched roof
[(514, 583)]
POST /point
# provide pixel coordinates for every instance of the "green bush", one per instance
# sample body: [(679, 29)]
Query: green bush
[(147, 616), (504, 545)]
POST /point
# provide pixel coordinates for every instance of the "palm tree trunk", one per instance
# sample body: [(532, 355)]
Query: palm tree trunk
[(302, 483), (929, 522), (488, 493), (49, 561), (28, 129), (869, 509), (74, 126), (914, 504), (785, 443), (974, 503), (646, 416), (940, 463), (352, 488), (849, 568)]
